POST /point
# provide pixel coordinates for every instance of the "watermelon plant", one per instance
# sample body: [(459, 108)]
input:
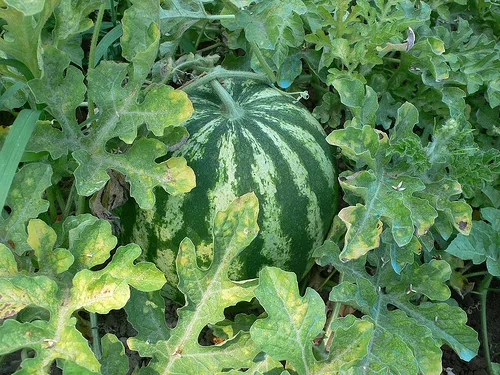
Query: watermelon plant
[(249, 187)]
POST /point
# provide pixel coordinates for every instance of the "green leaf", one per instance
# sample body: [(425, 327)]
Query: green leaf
[(58, 80), (90, 243), (350, 35), (293, 321), (99, 293), (396, 188), (208, 292), (273, 25), (62, 291), (28, 8), (23, 30), (72, 368), (263, 364), (25, 201), (49, 341), (350, 343), (483, 242), (8, 266), (361, 100), (113, 360), (176, 16), (392, 346), (72, 19), (494, 93), (42, 239), (146, 313), (21, 291), (288, 71), (228, 328), (123, 106), (141, 36), (143, 276)]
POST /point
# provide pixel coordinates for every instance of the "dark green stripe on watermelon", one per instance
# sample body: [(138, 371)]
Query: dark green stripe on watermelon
[(276, 149)]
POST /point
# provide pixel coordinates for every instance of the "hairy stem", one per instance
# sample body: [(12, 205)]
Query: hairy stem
[(210, 47), (327, 279), (221, 73), (93, 45), (96, 341), (331, 318), (263, 63), (69, 202), (51, 197), (483, 291), (474, 274), (229, 106), (80, 205)]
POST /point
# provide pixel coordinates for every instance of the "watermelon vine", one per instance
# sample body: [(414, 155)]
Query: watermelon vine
[(249, 187)]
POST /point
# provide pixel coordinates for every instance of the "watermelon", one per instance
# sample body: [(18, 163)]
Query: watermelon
[(245, 136)]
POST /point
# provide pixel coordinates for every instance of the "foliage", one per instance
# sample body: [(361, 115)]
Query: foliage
[(208, 292), (392, 344), (483, 243), (61, 282), (409, 94)]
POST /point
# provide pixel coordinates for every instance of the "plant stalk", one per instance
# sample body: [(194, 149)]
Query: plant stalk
[(263, 63), (93, 45), (221, 73), (51, 197), (69, 202), (334, 315), (328, 333), (80, 205), (483, 291), (229, 106), (474, 274), (327, 279), (200, 35), (209, 48), (96, 341), (113, 11)]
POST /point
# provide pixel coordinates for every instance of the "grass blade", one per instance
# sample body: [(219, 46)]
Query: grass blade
[(106, 42), (13, 148)]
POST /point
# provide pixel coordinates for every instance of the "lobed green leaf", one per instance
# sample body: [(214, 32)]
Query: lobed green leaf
[(25, 202), (392, 303), (63, 284), (123, 106), (483, 242), (208, 292)]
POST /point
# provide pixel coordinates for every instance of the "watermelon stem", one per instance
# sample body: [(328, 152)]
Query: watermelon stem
[(229, 107), (267, 69), (221, 73)]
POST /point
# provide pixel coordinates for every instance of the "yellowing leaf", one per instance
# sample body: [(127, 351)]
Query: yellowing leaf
[(62, 285), (208, 292)]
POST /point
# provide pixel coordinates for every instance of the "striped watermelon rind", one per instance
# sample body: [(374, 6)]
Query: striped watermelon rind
[(273, 147)]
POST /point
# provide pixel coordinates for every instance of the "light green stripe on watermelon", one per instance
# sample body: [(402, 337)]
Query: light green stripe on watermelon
[(195, 147), (273, 147), (276, 246), (311, 143), (300, 178), (223, 193)]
